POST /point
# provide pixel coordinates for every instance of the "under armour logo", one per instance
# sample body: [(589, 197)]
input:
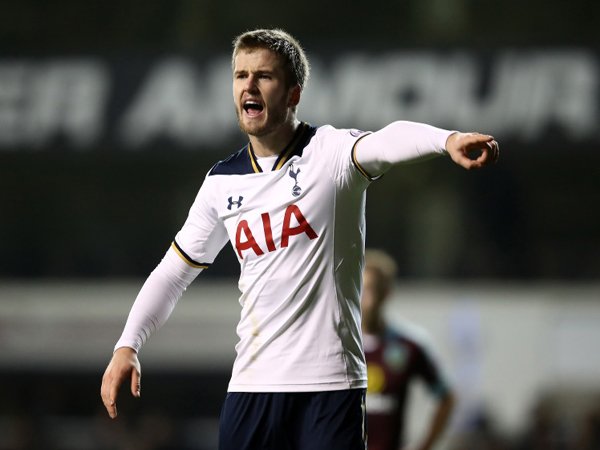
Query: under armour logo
[(296, 190), (232, 202)]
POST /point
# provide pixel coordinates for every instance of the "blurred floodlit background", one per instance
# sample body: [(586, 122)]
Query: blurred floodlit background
[(112, 112)]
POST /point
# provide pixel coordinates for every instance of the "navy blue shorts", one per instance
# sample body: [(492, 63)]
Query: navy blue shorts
[(331, 420)]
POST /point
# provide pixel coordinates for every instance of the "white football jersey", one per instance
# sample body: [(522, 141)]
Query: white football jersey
[(298, 231)]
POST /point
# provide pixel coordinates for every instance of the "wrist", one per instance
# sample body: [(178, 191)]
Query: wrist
[(125, 350), (450, 140)]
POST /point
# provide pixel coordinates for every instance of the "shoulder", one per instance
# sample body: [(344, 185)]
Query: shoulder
[(339, 143), (410, 333), (238, 163), (335, 147), (330, 133)]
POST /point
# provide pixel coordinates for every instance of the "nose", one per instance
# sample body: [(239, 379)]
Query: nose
[(250, 83)]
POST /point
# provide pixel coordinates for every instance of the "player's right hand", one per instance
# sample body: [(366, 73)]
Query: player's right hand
[(124, 364)]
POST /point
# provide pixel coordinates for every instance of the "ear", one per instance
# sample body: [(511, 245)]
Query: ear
[(294, 96)]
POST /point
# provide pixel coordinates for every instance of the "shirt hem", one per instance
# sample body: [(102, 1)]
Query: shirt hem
[(312, 387)]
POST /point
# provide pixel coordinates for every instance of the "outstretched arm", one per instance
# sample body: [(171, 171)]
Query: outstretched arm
[(150, 311), (404, 142)]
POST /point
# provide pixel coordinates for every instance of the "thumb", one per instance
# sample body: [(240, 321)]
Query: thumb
[(136, 383)]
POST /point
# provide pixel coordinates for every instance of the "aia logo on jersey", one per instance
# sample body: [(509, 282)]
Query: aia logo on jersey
[(294, 224), (296, 189)]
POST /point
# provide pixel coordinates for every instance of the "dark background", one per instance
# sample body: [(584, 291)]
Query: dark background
[(103, 212)]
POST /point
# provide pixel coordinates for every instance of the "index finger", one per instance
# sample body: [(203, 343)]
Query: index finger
[(109, 392), (476, 139)]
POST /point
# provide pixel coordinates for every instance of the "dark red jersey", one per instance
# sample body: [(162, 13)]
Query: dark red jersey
[(394, 360)]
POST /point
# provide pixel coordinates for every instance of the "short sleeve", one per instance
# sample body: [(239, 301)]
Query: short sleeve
[(203, 234), (337, 147)]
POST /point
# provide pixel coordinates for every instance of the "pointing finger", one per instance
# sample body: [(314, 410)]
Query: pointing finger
[(475, 141)]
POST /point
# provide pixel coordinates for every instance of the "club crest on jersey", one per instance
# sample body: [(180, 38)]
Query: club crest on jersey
[(296, 189), (232, 202)]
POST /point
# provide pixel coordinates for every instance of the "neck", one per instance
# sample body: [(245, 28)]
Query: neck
[(376, 326), (273, 143)]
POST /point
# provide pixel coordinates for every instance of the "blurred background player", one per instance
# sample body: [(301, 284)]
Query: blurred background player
[(396, 357)]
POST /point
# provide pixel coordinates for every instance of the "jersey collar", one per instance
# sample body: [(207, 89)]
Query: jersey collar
[(294, 147)]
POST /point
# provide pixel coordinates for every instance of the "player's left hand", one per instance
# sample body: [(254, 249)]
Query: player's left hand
[(472, 150)]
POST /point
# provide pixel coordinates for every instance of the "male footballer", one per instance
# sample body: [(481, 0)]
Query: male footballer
[(396, 357), (292, 204)]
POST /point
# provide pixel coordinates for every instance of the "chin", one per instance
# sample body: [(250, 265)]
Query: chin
[(254, 129)]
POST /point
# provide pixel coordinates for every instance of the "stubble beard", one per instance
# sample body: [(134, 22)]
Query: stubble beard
[(275, 119)]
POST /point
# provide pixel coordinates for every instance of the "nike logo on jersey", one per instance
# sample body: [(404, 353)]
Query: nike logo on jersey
[(232, 202), (244, 237)]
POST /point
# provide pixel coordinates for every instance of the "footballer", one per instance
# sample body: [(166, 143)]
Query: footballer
[(291, 203)]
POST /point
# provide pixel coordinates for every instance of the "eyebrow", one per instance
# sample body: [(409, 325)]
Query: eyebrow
[(258, 71)]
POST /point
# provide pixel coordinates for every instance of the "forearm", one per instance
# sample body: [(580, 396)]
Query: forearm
[(156, 300), (398, 143), (438, 422)]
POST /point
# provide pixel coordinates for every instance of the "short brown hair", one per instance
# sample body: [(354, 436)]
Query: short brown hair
[(383, 264), (283, 44)]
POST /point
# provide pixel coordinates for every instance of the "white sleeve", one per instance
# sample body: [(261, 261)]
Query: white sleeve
[(157, 298), (399, 142), (203, 234)]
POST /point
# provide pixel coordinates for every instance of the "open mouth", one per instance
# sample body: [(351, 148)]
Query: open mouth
[(252, 108)]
